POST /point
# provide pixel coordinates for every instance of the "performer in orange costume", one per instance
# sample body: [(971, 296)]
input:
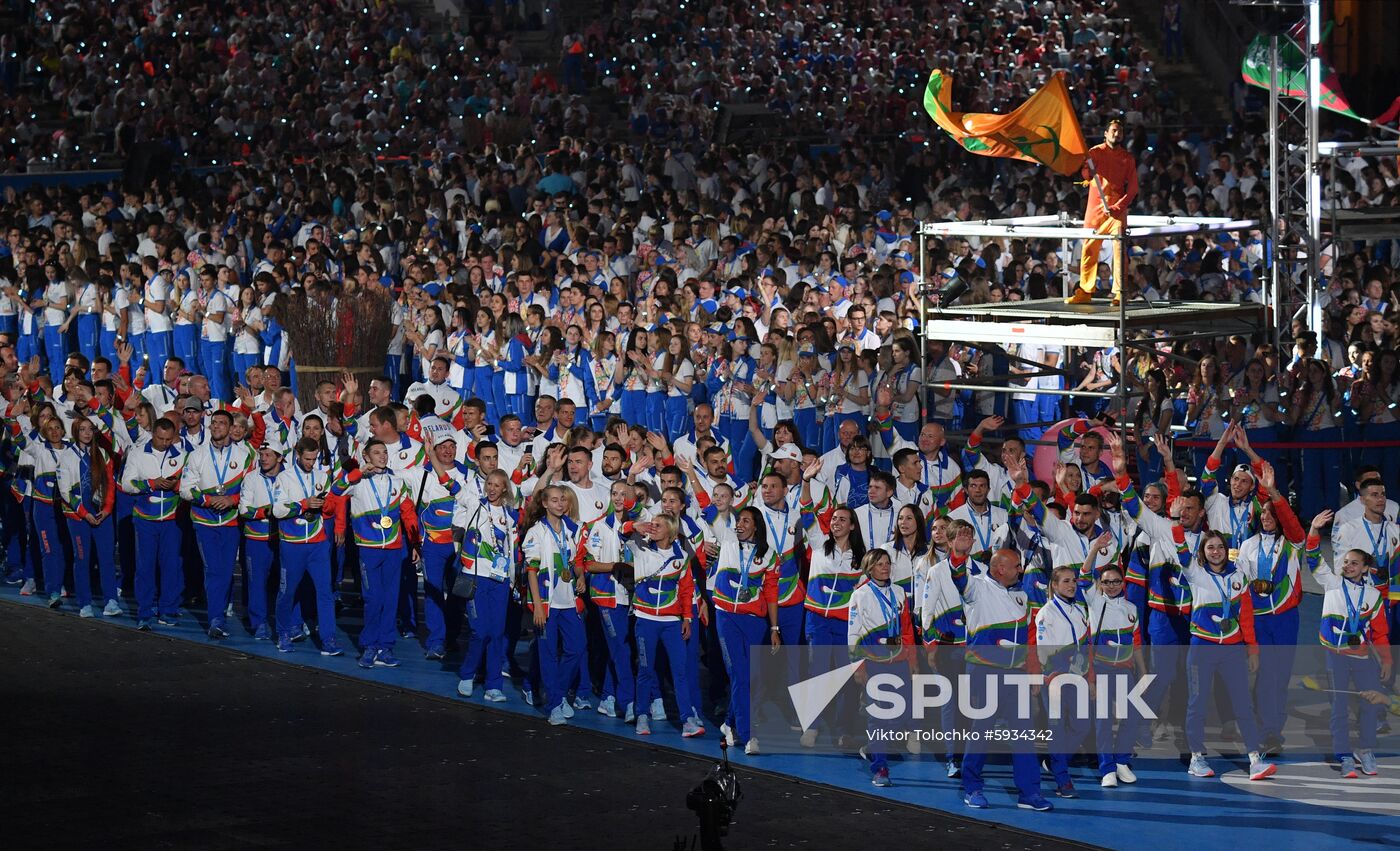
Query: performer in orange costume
[(1113, 185)]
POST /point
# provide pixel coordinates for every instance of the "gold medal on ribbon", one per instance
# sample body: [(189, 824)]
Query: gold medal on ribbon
[(1234, 553), (386, 523)]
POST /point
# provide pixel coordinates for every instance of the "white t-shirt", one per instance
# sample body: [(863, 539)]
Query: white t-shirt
[(127, 298), (158, 292), (1031, 352), (1052, 382), (230, 293), (247, 342), (593, 501), (112, 321), (87, 299), (948, 370), (433, 340), (216, 332), (55, 291), (684, 372), (904, 379), (397, 313), (189, 303)]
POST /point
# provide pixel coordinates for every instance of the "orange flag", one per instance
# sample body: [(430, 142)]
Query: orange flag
[(1043, 130)]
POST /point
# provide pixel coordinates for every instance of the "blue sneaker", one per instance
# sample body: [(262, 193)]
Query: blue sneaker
[(1366, 759), (367, 658), (529, 697), (144, 625), (1036, 802), (262, 633), (435, 651), (284, 644), (15, 578), (303, 634), (330, 647), (168, 620), (385, 659), (975, 800), (217, 632), (881, 778), (55, 601)]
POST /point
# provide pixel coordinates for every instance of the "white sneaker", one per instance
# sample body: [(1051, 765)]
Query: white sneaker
[(752, 747), (809, 738), (1125, 773), (1258, 768), (465, 687), (1109, 781), (566, 709), (1199, 767), (113, 609), (727, 733), (658, 711), (86, 612), (229, 612), (607, 707)]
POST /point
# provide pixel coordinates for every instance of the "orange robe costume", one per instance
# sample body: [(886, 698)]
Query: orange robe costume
[(1117, 173)]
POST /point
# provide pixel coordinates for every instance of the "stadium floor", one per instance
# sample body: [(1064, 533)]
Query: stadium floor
[(118, 739), (427, 767)]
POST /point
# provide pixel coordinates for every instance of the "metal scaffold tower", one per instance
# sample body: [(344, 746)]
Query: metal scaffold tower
[(1295, 182), (1128, 326)]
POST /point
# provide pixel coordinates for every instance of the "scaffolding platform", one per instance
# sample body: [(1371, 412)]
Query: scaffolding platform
[(1096, 325), (1365, 224)]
